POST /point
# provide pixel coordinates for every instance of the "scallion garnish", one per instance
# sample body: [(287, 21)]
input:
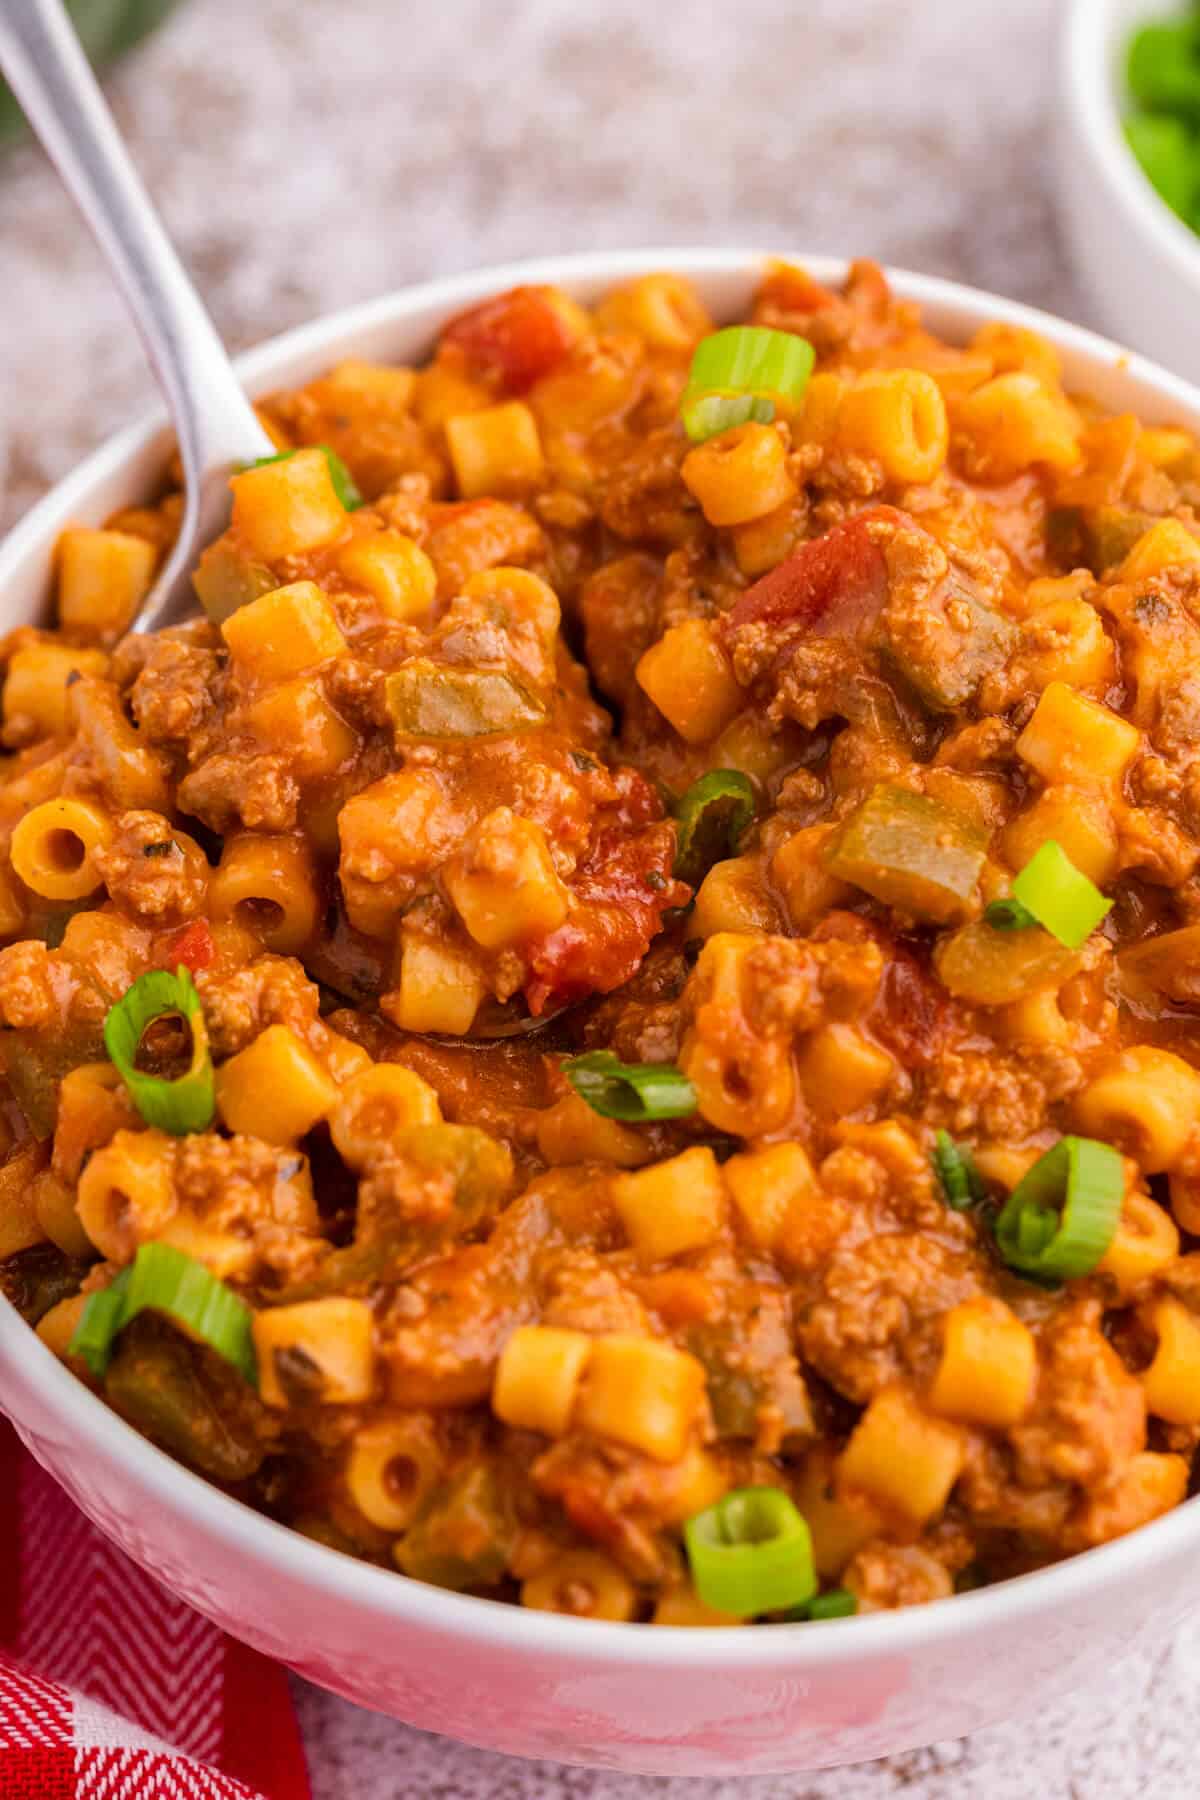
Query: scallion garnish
[(740, 374), (189, 1102), (633, 1092), (1050, 891), (955, 1168), (751, 1553), (711, 817), (344, 484), (1008, 915), (1064, 1212), (100, 1324), (162, 1279), (838, 1603), (705, 415)]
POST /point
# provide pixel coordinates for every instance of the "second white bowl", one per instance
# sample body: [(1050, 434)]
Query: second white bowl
[(1140, 262)]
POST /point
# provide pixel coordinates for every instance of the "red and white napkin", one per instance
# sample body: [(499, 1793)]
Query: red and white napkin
[(110, 1688)]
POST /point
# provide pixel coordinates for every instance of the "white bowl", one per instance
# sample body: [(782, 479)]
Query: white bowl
[(1140, 262), (630, 1697)]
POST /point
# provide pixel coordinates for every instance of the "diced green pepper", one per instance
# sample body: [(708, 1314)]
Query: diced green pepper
[(945, 651), (478, 1169), (752, 1371), (225, 579), (429, 700), (1094, 537), (994, 968), (34, 1280), (911, 852), (480, 1166), (34, 1061), (463, 1535), (199, 1410)]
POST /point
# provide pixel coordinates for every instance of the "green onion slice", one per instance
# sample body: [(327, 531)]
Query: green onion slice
[(705, 415), (1051, 891), (751, 1553), (189, 1102), (737, 373), (634, 1092), (955, 1168), (1008, 915), (100, 1324), (1063, 1213), (711, 817), (162, 1279), (344, 484), (838, 1603)]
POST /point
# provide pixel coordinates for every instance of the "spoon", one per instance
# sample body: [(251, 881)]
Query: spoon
[(215, 425)]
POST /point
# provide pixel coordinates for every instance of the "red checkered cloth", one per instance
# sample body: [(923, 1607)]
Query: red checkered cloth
[(111, 1689)]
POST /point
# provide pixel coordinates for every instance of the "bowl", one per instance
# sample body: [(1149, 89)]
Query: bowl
[(648, 1700), (1138, 260)]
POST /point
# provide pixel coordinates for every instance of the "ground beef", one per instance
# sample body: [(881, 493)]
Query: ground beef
[(152, 871)]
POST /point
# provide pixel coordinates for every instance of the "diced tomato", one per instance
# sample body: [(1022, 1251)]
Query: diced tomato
[(835, 585), (636, 803), (515, 338), (912, 1015), (619, 897), (192, 946)]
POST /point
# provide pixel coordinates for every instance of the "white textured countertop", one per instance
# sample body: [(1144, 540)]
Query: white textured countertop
[(307, 154)]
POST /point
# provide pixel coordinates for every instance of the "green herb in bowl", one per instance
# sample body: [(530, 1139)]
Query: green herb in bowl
[(1162, 128)]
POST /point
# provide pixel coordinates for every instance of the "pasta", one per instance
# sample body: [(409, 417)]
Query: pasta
[(897, 416), (275, 1088), (54, 848), (739, 475), (392, 1467), (269, 885), (538, 1377)]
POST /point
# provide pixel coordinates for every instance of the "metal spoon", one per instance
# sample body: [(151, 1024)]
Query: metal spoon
[(214, 422)]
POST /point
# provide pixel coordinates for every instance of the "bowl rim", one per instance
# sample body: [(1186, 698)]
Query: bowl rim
[(1091, 90), (82, 1420)]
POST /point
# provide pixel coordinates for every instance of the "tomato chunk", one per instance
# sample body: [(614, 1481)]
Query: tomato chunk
[(192, 946), (515, 338), (912, 1015), (618, 897), (835, 584)]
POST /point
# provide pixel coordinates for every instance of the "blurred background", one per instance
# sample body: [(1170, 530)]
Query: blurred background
[(311, 153), (306, 154)]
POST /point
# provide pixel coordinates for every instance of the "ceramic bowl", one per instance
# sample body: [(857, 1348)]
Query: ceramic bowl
[(1138, 260), (630, 1697)]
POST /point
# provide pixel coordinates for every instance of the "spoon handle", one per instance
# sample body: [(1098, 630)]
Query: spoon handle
[(214, 422)]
